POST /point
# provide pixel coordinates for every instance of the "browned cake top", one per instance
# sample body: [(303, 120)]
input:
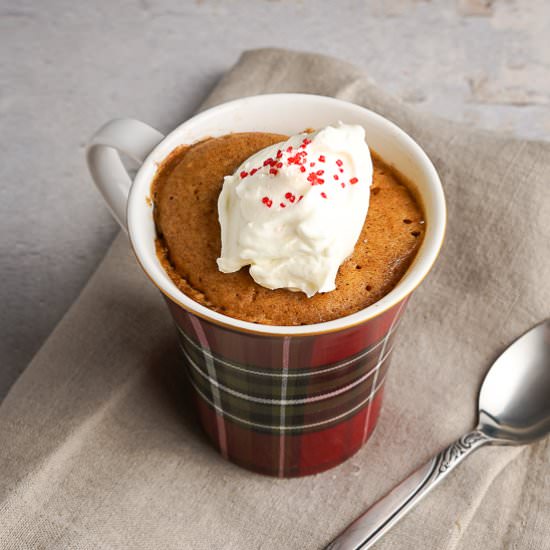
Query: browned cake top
[(185, 195)]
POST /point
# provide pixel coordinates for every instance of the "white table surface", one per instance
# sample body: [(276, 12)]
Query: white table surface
[(66, 67)]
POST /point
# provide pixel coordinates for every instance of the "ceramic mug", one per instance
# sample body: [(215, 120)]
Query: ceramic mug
[(280, 400)]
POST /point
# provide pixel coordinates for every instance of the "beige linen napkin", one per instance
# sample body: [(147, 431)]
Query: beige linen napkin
[(99, 445)]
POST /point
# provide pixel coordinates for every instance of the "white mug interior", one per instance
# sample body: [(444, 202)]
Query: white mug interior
[(291, 114)]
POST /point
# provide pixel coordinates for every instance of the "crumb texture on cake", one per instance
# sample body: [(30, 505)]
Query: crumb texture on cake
[(185, 194)]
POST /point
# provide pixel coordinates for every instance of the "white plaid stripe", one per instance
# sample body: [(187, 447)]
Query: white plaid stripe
[(312, 372), (284, 402), (385, 343), (220, 419), (286, 428), (284, 380)]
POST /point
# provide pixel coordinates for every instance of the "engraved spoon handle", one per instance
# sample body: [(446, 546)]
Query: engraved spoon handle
[(385, 513)]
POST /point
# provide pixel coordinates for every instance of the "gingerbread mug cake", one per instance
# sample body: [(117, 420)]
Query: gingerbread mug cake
[(286, 258), (285, 231)]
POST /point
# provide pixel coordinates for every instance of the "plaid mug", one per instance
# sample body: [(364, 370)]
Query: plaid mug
[(283, 401)]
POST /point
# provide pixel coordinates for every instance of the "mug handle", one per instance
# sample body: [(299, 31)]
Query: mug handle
[(125, 135)]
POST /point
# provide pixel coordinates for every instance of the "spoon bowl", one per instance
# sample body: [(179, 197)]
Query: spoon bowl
[(514, 401)]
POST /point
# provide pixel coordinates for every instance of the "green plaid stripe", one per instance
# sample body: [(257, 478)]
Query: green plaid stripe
[(323, 398), (312, 422)]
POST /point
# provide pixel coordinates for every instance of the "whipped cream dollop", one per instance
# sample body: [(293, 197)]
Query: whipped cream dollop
[(294, 211)]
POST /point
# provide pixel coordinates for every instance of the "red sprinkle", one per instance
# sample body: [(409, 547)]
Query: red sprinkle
[(300, 198), (279, 154), (341, 170), (253, 171), (302, 168), (353, 180), (298, 158), (336, 177), (322, 158), (267, 201), (312, 164), (289, 149), (343, 185), (269, 162), (244, 174), (314, 179), (324, 195), (320, 172), (282, 205), (273, 171), (279, 165), (339, 162), (290, 197)]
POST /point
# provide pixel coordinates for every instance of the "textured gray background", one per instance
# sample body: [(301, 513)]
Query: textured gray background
[(66, 67)]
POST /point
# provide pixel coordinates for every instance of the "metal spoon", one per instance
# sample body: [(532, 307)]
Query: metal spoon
[(514, 409)]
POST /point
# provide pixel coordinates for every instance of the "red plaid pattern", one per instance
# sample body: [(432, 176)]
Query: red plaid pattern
[(284, 405)]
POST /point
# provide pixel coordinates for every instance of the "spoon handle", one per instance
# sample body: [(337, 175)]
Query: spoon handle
[(385, 513)]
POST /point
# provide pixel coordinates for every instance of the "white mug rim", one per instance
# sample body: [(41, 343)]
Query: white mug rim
[(422, 264)]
